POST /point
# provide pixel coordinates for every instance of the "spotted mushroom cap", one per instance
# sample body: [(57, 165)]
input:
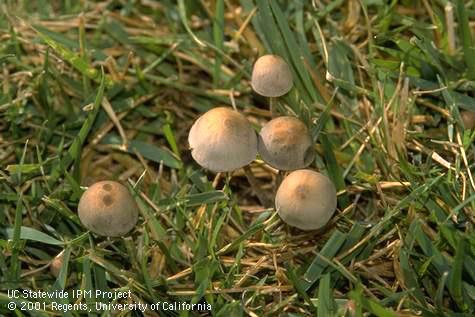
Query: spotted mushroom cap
[(107, 208), (306, 200), (271, 76), (222, 140), (285, 143)]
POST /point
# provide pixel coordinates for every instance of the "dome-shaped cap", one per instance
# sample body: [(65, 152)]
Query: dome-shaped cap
[(222, 140), (468, 119), (107, 208), (285, 143), (271, 76), (306, 199)]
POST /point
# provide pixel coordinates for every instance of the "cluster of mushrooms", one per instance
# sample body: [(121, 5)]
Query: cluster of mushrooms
[(223, 140)]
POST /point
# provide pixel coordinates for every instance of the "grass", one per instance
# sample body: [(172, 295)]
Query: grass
[(109, 89)]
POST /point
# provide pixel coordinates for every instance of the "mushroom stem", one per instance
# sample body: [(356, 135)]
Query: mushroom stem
[(255, 186), (272, 107), (278, 179)]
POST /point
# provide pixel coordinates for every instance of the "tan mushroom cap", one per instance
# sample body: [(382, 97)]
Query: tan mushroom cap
[(306, 200), (56, 264), (285, 143), (271, 76), (468, 119), (222, 140), (107, 208)]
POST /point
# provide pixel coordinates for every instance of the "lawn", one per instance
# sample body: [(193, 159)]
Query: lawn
[(109, 90)]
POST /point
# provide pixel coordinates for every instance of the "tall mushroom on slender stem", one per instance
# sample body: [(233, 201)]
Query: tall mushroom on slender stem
[(306, 200), (271, 77), (223, 140)]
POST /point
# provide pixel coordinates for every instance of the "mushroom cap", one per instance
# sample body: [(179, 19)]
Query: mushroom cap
[(222, 140), (468, 119), (271, 76), (285, 143), (306, 200), (56, 264), (108, 209)]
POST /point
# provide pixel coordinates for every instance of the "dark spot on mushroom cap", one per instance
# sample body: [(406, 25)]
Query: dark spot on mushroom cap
[(232, 125), (301, 191), (102, 211), (107, 200), (306, 199)]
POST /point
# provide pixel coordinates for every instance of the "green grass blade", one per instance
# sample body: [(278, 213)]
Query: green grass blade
[(317, 267), (455, 276), (218, 34), (370, 305), (74, 59), (294, 51), (154, 153), (334, 171), (466, 38), (326, 303), (15, 266), (74, 151), (27, 233)]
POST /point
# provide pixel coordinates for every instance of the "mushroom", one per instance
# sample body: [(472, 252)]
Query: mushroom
[(306, 200), (56, 264), (108, 209), (468, 119), (222, 140), (285, 143), (271, 76)]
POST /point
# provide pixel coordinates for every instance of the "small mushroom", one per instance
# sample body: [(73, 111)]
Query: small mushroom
[(306, 200), (468, 119), (222, 140), (56, 264), (285, 143), (271, 76), (108, 209)]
